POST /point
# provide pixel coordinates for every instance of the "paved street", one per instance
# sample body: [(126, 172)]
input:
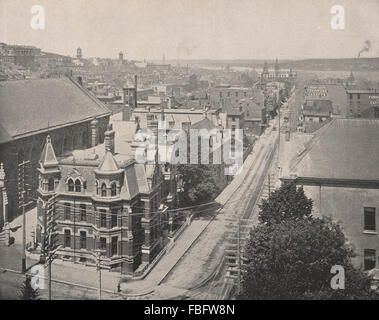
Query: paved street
[(204, 256)]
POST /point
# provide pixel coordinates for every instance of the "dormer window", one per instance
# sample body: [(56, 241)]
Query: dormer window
[(78, 185), (70, 185), (75, 186), (113, 189), (103, 190)]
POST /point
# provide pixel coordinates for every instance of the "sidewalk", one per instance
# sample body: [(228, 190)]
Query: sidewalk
[(168, 261)]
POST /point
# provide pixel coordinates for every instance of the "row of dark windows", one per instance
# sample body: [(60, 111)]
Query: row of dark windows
[(351, 96), (236, 93), (83, 242), (75, 186), (83, 215), (103, 189)]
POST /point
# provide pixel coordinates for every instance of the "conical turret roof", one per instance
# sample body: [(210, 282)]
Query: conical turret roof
[(109, 164), (48, 158)]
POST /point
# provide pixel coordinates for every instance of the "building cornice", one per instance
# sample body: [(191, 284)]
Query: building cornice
[(334, 182)]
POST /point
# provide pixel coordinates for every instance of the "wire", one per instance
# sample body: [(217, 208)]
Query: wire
[(59, 204)]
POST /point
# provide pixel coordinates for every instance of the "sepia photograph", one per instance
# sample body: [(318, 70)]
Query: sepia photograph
[(189, 154)]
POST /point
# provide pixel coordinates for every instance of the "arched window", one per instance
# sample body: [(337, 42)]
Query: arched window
[(103, 190), (78, 185), (113, 189), (50, 184), (97, 187), (70, 185)]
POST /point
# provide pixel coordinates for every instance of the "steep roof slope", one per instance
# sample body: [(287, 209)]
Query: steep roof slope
[(27, 106), (343, 149)]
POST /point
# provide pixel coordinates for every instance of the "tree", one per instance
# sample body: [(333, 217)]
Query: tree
[(287, 202), (198, 182), (27, 292), (293, 260)]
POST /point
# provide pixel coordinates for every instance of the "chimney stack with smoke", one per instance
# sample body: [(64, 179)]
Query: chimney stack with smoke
[(366, 48)]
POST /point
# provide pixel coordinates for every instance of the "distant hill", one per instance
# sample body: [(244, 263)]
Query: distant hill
[(345, 64)]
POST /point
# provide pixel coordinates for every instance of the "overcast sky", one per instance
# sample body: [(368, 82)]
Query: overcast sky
[(193, 29)]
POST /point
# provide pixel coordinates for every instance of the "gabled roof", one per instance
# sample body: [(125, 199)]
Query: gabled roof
[(48, 158), (342, 149), (31, 106), (204, 124)]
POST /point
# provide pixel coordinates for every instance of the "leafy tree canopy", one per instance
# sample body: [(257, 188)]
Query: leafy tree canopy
[(287, 202), (293, 260), (198, 182)]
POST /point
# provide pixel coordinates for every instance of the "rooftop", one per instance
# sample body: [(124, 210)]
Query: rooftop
[(29, 106), (342, 149)]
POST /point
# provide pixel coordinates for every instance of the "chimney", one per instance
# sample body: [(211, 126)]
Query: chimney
[(80, 81), (94, 132), (124, 95), (109, 139), (152, 124)]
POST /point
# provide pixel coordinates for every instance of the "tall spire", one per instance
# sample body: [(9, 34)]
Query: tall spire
[(48, 158)]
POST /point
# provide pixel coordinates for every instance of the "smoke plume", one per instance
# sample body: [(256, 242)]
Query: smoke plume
[(366, 47)]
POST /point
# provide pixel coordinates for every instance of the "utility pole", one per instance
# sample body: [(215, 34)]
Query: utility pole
[(22, 193), (237, 239), (239, 256), (50, 240), (279, 133), (269, 185), (98, 253)]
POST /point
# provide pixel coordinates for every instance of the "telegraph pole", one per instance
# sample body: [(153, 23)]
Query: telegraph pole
[(239, 255), (98, 253), (22, 192), (234, 249), (269, 185), (50, 240)]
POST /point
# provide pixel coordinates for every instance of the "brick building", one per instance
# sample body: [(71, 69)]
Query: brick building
[(363, 103), (106, 200)]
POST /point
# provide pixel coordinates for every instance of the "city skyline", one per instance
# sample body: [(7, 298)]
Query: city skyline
[(185, 30)]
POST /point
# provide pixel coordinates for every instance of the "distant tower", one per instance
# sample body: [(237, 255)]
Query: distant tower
[(79, 53), (277, 68), (121, 57), (351, 80), (129, 98), (265, 70)]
